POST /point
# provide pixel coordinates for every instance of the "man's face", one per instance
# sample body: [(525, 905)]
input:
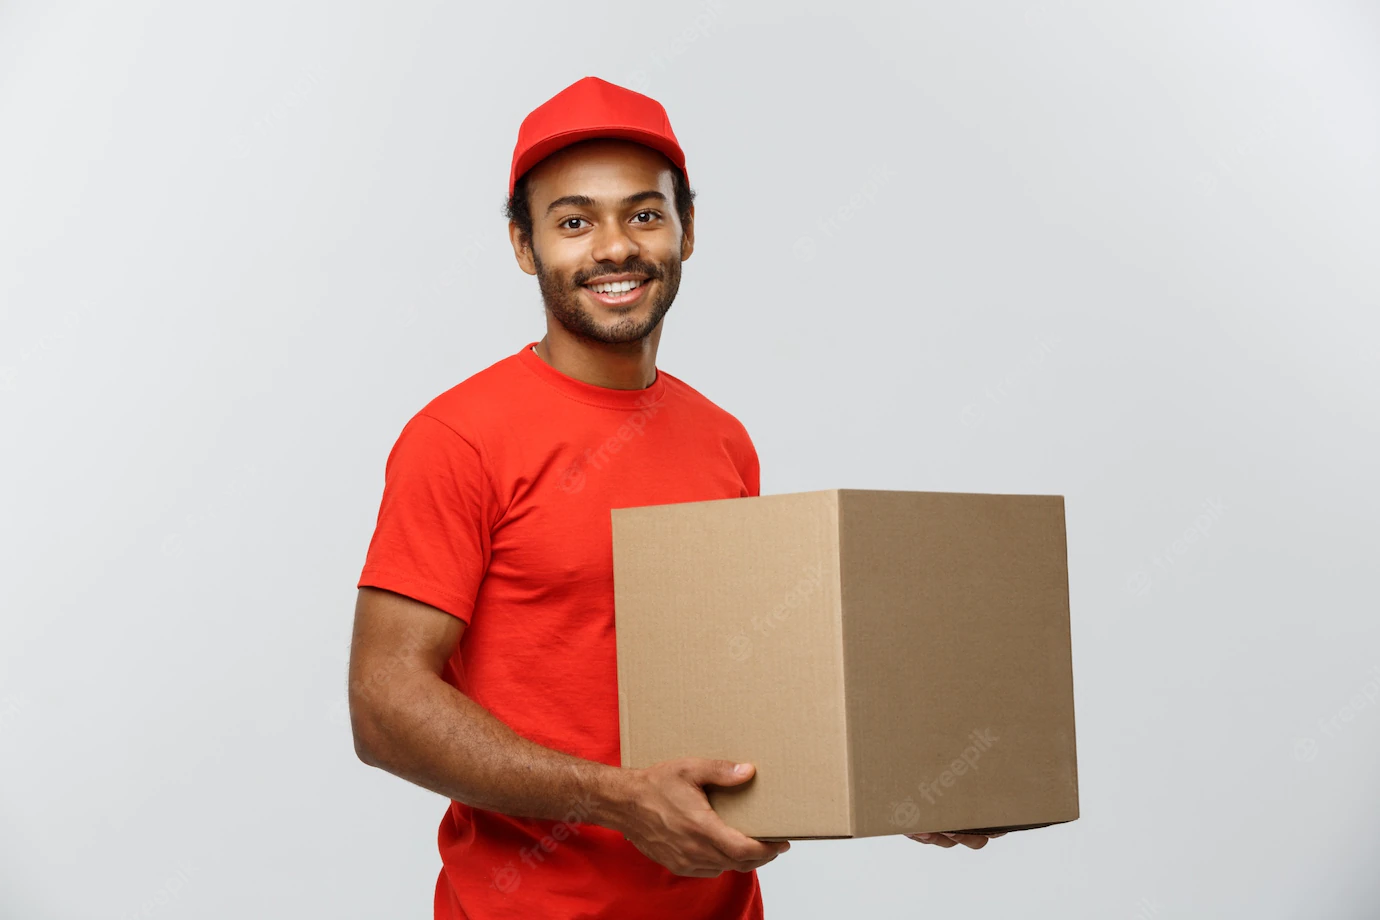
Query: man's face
[(604, 209)]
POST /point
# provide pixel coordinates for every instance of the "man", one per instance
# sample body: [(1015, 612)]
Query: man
[(483, 665)]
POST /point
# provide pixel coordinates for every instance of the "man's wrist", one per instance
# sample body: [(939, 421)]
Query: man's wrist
[(612, 796)]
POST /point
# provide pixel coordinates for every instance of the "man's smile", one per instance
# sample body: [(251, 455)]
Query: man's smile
[(618, 293)]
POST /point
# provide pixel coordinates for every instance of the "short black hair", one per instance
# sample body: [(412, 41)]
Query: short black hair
[(519, 210)]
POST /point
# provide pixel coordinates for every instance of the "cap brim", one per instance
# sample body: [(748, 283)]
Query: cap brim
[(549, 145)]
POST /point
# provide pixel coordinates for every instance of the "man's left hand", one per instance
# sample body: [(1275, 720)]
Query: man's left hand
[(952, 838)]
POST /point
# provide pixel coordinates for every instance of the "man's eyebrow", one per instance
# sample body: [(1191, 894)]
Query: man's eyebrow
[(584, 201)]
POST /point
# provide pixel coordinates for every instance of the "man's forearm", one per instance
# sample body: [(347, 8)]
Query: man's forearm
[(424, 730)]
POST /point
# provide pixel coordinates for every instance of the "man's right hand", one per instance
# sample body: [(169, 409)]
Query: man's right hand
[(664, 812)]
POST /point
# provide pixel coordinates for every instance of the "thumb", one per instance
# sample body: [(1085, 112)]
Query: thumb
[(724, 772)]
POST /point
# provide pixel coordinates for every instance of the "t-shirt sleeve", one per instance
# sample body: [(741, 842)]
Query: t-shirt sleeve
[(752, 468), (433, 538)]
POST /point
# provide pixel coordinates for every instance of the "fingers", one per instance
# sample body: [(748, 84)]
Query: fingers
[(739, 847), (699, 844), (702, 770), (744, 853), (939, 840), (709, 861), (748, 865), (953, 838), (972, 841)]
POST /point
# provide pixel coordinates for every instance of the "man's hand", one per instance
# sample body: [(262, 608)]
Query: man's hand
[(667, 816), (950, 838)]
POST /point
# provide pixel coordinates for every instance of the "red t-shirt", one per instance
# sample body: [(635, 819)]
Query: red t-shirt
[(496, 510)]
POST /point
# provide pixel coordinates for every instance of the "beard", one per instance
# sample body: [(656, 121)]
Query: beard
[(565, 300)]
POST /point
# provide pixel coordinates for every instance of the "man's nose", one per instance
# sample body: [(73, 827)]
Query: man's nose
[(612, 243)]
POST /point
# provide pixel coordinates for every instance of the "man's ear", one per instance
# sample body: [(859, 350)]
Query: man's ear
[(687, 239), (522, 248)]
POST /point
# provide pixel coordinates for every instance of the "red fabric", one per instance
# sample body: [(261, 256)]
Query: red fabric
[(496, 509), (587, 108)]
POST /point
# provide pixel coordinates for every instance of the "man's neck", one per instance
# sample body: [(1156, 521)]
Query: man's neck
[(617, 372)]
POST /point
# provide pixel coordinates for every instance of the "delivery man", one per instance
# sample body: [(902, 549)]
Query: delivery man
[(483, 664)]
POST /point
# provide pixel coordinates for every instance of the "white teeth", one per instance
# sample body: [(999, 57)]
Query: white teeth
[(616, 287)]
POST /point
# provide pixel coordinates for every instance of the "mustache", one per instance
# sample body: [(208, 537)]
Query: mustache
[(632, 268)]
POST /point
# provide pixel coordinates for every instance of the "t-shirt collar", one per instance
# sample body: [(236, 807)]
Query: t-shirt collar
[(607, 397)]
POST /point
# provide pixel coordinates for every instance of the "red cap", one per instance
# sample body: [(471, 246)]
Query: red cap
[(587, 108)]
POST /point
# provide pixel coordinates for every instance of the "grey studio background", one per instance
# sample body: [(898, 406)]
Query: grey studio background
[(1119, 252)]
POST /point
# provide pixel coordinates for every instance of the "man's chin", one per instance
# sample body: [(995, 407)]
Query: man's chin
[(613, 331), (622, 333)]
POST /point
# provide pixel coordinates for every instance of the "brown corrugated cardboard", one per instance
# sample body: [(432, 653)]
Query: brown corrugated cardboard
[(892, 662)]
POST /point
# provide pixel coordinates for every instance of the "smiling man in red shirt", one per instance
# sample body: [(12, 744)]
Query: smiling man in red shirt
[(483, 664)]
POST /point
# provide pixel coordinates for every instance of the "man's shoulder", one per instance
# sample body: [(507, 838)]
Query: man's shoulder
[(477, 402), (698, 402)]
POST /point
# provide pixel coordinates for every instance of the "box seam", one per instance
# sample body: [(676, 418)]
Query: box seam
[(624, 704), (851, 798)]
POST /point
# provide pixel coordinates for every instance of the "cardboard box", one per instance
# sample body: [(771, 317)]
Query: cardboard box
[(893, 662)]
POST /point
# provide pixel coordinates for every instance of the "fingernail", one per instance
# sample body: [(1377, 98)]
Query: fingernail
[(742, 768)]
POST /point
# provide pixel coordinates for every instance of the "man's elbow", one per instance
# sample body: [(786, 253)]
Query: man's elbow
[(363, 753), (362, 728)]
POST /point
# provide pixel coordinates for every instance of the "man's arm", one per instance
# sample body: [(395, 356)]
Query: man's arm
[(409, 722)]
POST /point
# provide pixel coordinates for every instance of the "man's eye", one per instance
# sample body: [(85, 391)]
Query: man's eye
[(652, 214), (566, 223)]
